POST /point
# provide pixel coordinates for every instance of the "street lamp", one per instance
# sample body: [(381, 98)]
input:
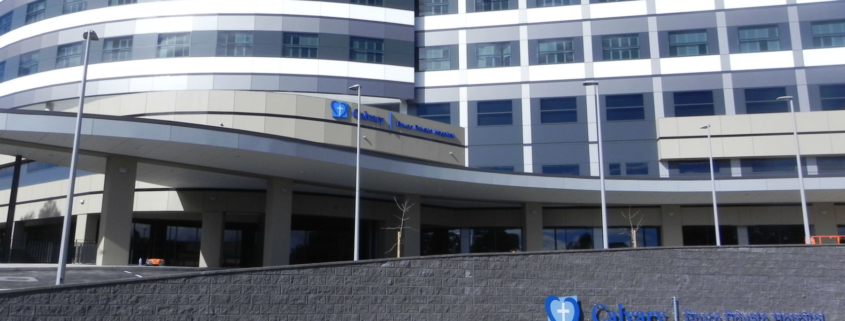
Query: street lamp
[(89, 36), (357, 88), (595, 85), (713, 186), (800, 174)]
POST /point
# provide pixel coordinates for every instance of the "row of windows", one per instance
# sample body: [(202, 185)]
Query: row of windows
[(632, 106), (439, 7), (625, 47), (229, 43)]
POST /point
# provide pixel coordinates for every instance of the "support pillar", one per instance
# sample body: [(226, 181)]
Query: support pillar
[(6, 250), (823, 219), (86, 228), (116, 217), (212, 239), (411, 234), (671, 231), (533, 228), (277, 221)]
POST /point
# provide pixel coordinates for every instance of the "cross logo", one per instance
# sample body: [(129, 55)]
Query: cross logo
[(340, 110), (562, 309)]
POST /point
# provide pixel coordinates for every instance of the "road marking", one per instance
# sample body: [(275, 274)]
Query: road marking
[(138, 276), (127, 272), (18, 279)]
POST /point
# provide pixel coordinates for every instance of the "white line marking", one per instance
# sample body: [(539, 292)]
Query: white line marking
[(127, 272), (138, 276), (18, 279)]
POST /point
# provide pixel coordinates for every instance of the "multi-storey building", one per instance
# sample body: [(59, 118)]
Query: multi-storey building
[(211, 136)]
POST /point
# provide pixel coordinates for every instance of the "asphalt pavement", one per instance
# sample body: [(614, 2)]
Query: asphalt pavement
[(18, 276)]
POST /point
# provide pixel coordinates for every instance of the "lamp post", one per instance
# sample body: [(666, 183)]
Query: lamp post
[(713, 187), (800, 173), (357, 88), (595, 85), (60, 273)]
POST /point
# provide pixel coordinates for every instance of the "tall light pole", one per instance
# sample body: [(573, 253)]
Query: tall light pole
[(800, 173), (60, 273), (595, 85), (357, 88), (713, 187)]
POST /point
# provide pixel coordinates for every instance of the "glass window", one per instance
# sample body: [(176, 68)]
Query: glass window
[(756, 39), (174, 45), (829, 34), (366, 50), (702, 235), (555, 51), (831, 165), (441, 112), (35, 11), (625, 107), (622, 47), (770, 165), (72, 6), (491, 5), (764, 100), (483, 240), (687, 43), (558, 110), (492, 113), (234, 43), (555, 3), (121, 2), (434, 58), (29, 63), (434, 241), (615, 169), (699, 167), (117, 49), (433, 7), (569, 238), (572, 170), (498, 168), (694, 103), (833, 97), (5, 23), (300, 45), (776, 234), (376, 3), (69, 55), (2, 71), (38, 166), (493, 55), (7, 172), (618, 237), (636, 168), (603, 1)]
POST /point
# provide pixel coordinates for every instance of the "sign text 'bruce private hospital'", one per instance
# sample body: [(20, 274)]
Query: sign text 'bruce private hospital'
[(341, 110)]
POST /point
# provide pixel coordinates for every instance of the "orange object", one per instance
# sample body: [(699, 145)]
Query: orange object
[(818, 239), (155, 262)]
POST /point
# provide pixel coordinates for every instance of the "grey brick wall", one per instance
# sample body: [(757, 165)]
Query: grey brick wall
[(472, 287)]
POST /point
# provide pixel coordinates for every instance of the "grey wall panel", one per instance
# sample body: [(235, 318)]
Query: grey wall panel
[(806, 29), (232, 82), (625, 86), (437, 38), (265, 82), (33, 44), (756, 16), (617, 26), (96, 52), (270, 23), (203, 37), (824, 75), (203, 50), (335, 85), (561, 154), (629, 130), (53, 9), (702, 20), (368, 29), (495, 135), (19, 17), (337, 26), (499, 34), (24, 98), (298, 83), (488, 156), (494, 92), (12, 65), (50, 39), (47, 59), (235, 22), (822, 11), (691, 82), (94, 4), (370, 87), (399, 90), (334, 47), (301, 24), (434, 95), (555, 30), (632, 152), (764, 78), (64, 92), (814, 93), (559, 133), (399, 4), (559, 89), (399, 32), (144, 46)]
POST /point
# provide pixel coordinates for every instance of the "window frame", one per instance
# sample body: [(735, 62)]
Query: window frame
[(372, 3), (230, 47), (567, 54), (65, 60), (372, 55), (699, 44), (439, 7), (616, 113), (182, 49), (555, 3), (562, 169), (121, 2), (423, 60), (548, 112), (35, 14), (5, 23), (833, 35), (34, 58), (2, 71), (445, 118), (687, 105), (71, 6), (830, 100), (760, 41), (289, 46), (501, 52), (608, 48), (493, 114), (767, 103), (125, 52), (491, 5)]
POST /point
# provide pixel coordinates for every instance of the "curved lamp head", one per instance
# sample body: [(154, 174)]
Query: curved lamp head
[(784, 98), (355, 87), (90, 33), (705, 126), (591, 83)]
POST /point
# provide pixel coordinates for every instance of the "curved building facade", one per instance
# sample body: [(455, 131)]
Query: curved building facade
[(222, 133)]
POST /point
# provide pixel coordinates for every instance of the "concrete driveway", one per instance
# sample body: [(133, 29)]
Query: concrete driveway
[(17, 276)]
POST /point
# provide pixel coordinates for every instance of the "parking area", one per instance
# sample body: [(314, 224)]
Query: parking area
[(17, 276)]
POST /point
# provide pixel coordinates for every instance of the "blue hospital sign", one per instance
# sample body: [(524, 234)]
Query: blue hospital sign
[(562, 309), (340, 110)]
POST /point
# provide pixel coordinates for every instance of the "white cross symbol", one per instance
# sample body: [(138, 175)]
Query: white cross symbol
[(563, 311)]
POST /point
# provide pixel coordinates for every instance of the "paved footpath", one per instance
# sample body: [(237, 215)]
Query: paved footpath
[(17, 276)]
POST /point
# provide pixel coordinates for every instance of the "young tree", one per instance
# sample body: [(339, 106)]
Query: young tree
[(404, 207), (632, 232)]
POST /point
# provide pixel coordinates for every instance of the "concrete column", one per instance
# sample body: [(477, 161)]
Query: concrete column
[(465, 240), (116, 217), (671, 231), (823, 219), (18, 236), (86, 228), (277, 220), (212, 239), (411, 234), (533, 227), (742, 235)]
